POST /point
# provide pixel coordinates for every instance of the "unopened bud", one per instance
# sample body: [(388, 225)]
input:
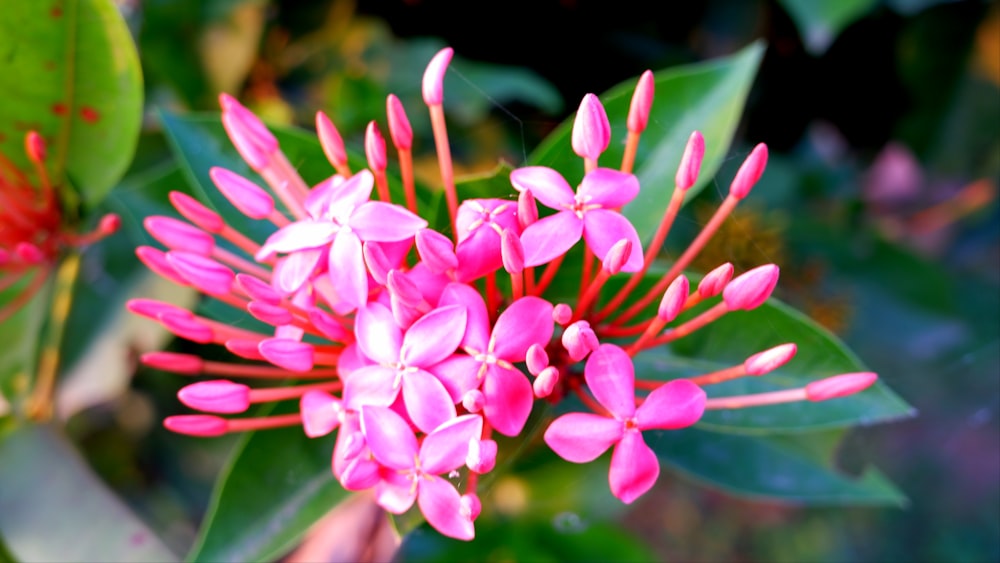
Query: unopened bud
[(546, 382), (511, 252), (840, 385), (436, 251), (178, 235), (642, 102), (330, 139), (591, 129), (579, 340), (433, 83), (473, 400), (562, 313), (207, 275), (286, 353), (399, 124), (470, 506), (482, 456), (192, 210), (673, 299), (202, 425), (527, 209), (34, 146), (537, 359), (751, 289), (690, 166), (769, 360), (750, 172), (320, 413), (715, 281), (245, 195), (375, 148), (218, 396)]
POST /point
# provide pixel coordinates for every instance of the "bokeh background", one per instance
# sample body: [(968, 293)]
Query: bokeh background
[(880, 203)]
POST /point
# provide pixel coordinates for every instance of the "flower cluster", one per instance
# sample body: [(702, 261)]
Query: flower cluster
[(405, 340), (32, 230)]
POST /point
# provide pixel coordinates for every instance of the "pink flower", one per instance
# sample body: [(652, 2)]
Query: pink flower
[(590, 213), (582, 437), (480, 224), (412, 472)]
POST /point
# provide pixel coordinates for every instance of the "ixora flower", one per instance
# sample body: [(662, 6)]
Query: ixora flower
[(32, 232), (417, 358)]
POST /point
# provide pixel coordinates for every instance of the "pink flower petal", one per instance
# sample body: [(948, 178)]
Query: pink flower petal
[(677, 404), (347, 269), (552, 236), (320, 413), (478, 254), (298, 236), (434, 336), (371, 385), (389, 437), (508, 399), (427, 401), (293, 271), (603, 228), (608, 187), (385, 222), (525, 322), (395, 493), (611, 378), (547, 185), (352, 193), (378, 336), (634, 468), (361, 473), (477, 324), (441, 505), (582, 437), (447, 447), (457, 374)]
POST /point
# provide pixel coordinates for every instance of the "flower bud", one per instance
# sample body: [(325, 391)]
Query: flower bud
[(579, 340), (218, 396), (687, 171), (257, 290), (591, 129), (375, 148), (207, 275), (245, 195), (178, 235), (187, 364), (321, 413), (750, 172), (274, 315), (527, 210), (202, 425), (769, 360), (715, 281), (433, 83), (399, 124), (34, 146), (436, 251), (840, 385), (673, 299), (537, 359), (482, 456), (546, 381), (286, 353), (473, 400), (751, 289), (192, 210), (511, 252), (617, 256), (187, 327), (470, 506), (152, 309), (642, 102), (330, 139)]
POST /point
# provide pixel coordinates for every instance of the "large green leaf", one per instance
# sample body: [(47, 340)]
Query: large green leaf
[(797, 469), (276, 485), (56, 509), (733, 338), (707, 97), (819, 21), (69, 70), (20, 334)]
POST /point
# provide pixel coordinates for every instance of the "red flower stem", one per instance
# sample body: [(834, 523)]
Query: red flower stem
[(607, 331), (631, 146), (734, 372), (588, 266), (669, 215), (757, 400), (492, 294), (263, 423), (262, 371), (517, 285), (406, 171), (280, 186), (284, 393), (295, 184), (654, 327), (699, 242), (589, 164), (694, 324), (444, 162), (593, 290), (239, 240), (589, 402), (529, 281), (242, 264), (548, 275), (382, 185), (648, 384)]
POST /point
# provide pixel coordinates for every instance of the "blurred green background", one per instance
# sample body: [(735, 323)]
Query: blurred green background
[(879, 203)]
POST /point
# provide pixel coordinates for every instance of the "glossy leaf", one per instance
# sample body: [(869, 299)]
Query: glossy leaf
[(56, 509), (707, 97), (79, 85), (792, 468), (736, 336), (276, 485), (820, 21)]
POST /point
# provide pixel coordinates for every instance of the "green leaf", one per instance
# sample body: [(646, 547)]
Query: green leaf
[(20, 334), (56, 509), (731, 339), (707, 97), (791, 468), (69, 70), (276, 485), (819, 21)]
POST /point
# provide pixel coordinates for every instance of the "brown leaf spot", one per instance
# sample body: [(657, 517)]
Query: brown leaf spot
[(60, 109), (89, 114)]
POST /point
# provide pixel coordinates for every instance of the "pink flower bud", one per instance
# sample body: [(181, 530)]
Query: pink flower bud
[(244, 143), (204, 273), (473, 400), (245, 195), (325, 323), (527, 210), (482, 456), (258, 290), (375, 148), (152, 309), (537, 359), (156, 260), (642, 102), (244, 348), (546, 381), (751, 289), (436, 251), (192, 210), (673, 299), (321, 413), (34, 146), (469, 506), (769, 360), (591, 129), (694, 152), (511, 252), (218, 396), (29, 253), (579, 340), (109, 224), (274, 315), (188, 327), (840, 385), (286, 353), (330, 139), (562, 313), (250, 123), (178, 235), (404, 289), (201, 425), (750, 172), (399, 124), (433, 84), (617, 256), (173, 362), (715, 281)]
